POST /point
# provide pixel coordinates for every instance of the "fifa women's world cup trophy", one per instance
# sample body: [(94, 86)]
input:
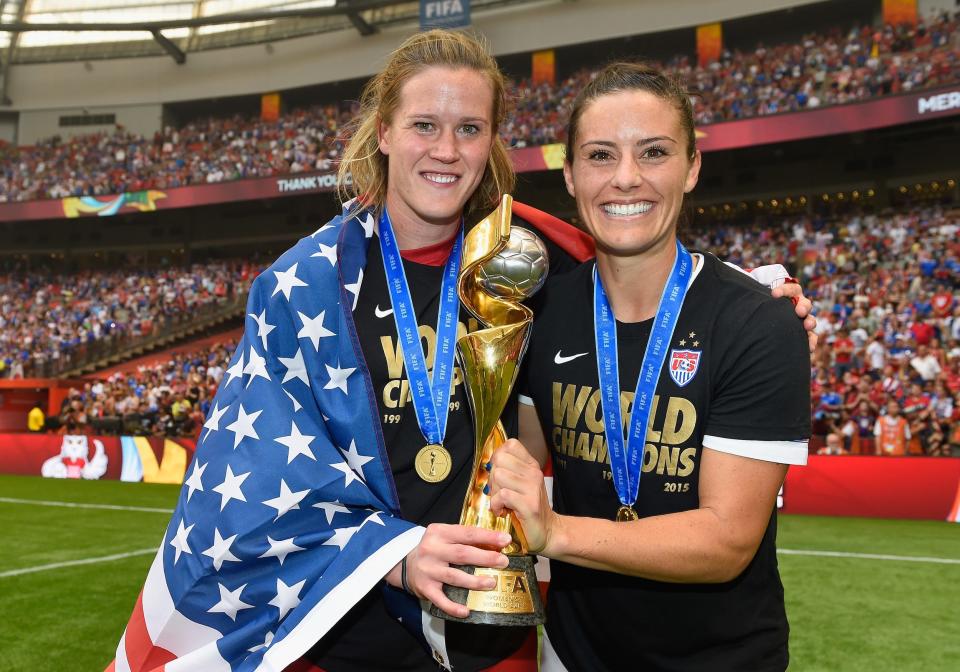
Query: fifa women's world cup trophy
[(501, 266)]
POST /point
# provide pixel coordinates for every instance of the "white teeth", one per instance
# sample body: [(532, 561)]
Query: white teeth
[(440, 179), (623, 209)]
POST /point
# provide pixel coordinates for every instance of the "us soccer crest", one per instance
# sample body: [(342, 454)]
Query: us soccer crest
[(683, 365)]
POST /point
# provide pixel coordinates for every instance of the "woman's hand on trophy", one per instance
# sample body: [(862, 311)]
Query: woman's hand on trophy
[(428, 565), (516, 483)]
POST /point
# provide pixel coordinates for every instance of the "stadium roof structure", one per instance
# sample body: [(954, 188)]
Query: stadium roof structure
[(33, 31)]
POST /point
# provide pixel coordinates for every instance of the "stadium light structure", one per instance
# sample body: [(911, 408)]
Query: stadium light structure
[(176, 53)]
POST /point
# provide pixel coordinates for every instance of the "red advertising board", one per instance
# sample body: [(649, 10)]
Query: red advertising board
[(838, 119), (875, 487)]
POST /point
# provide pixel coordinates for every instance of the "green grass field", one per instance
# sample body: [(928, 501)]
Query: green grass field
[(846, 613)]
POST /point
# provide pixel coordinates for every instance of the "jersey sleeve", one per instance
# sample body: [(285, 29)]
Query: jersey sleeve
[(761, 400)]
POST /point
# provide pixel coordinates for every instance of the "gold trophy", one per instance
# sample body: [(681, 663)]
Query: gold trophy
[(499, 269)]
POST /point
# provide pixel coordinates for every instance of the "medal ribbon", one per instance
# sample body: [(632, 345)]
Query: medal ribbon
[(430, 394), (626, 461)]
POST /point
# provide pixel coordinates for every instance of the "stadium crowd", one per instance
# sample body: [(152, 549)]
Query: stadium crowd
[(49, 319), (828, 68), (886, 291), (167, 398)]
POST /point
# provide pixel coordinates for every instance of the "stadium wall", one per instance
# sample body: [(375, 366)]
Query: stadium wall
[(345, 55), (36, 125), (8, 127)]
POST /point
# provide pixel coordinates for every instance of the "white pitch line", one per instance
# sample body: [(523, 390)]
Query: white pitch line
[(78, 505), (74, 563), (869, 556)]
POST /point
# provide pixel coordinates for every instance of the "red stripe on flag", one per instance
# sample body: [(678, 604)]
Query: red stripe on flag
[(142, 655)]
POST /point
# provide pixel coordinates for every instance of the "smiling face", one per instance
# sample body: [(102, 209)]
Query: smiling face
[(437, 144), (629, 171)]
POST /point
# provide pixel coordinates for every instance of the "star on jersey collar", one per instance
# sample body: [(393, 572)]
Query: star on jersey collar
[(263, 329), (328, 252), (313, 329), (286, 281)]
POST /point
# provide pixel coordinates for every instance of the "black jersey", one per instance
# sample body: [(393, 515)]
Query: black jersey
[(368, 638), (736, 379)]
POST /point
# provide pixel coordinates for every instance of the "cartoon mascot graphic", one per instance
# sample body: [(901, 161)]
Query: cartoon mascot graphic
[(75, 461)]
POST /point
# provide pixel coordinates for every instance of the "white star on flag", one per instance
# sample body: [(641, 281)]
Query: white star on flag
[(313, 329), (266, 642), (235, 371), (287, 597), (243, 426), (355, 459), (296, 443), (368, 225), (296, 404), (195, 481), (338, 377), (213, 420), (220, 551), (341, 536), (280, 549), (331, 509), (230, 602), (179, 541), (374, 517), (349, 476), (296, 368), (286, 500), (354, 288), (230, 488), (328, 252), (286, 281), (263, 329), (256, 367)]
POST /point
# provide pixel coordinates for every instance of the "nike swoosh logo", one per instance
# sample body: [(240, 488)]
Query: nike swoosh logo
[(382, 313), (560, 359)]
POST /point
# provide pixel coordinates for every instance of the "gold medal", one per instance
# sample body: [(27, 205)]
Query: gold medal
[(433, 463), (625, 514)]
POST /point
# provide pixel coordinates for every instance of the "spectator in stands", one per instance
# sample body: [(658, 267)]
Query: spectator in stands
[(892, 431), (833, 446)]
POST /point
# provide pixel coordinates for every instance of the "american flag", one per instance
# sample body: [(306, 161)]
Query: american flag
[(289, 514)]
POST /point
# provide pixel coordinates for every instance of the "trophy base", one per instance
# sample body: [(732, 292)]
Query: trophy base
[(514, 601)]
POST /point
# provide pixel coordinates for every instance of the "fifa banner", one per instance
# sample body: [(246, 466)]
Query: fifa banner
[(921, 488), (444, 14), (118, 458), (839, 119)]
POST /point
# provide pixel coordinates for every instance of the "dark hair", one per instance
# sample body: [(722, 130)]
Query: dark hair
[(625, 76)]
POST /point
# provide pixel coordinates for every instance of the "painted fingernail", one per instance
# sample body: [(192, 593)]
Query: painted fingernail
[(486, 489), (488, 466)]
